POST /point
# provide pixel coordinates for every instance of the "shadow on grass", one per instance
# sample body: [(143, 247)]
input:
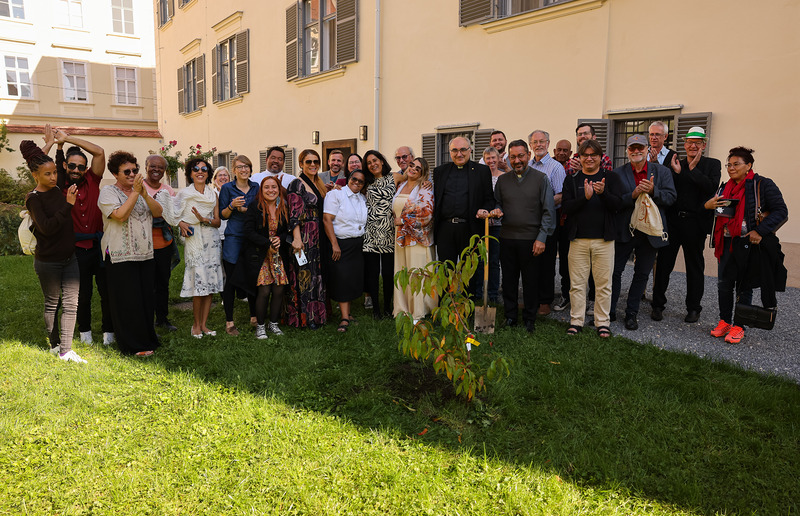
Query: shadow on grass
[(606, 414)]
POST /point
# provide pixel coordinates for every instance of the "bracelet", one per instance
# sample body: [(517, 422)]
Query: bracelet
[(230, 208)]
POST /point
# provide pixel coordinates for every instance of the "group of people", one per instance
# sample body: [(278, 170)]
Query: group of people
[(292, 245)]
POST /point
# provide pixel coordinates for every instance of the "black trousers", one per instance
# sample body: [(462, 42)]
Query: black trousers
[(90, 265), (645, 257), (229, 293), (687, 233), (451, 240), (380, 265), (130, 288), (516, 258), (563, 259), (547, 270), (163, 264)]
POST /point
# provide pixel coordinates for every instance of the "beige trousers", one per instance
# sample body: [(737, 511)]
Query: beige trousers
[(590, 256)]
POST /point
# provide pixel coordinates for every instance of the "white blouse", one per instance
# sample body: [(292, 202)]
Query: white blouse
[(349, 210), (129, 241)]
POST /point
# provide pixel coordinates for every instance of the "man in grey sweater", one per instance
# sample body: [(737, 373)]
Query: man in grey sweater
[(525, 201)]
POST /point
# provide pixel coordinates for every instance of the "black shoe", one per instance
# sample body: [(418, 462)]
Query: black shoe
[(530, 326), (630, 322), (613, 316), (692, 316), (657, 314), (511, 322), (166, 325), (314, 326)]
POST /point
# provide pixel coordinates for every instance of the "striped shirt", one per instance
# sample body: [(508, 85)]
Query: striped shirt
[(553, 170)]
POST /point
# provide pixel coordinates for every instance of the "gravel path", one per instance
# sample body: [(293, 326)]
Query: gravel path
[(770, 352)]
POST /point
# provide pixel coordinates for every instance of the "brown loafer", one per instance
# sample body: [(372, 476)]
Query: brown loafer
[(231, 330)]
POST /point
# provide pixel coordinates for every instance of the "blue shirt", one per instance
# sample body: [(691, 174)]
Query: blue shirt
[(234, 232), (553, 170)]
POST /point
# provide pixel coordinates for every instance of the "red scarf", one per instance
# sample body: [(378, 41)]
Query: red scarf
[(732, 191)]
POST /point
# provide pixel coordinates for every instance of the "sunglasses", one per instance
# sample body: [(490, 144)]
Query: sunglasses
[(312, 162), (73, 166), (129, 171), (356, 181), (198, 168)]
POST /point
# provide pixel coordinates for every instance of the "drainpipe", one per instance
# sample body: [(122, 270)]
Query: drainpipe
[(376, 130)]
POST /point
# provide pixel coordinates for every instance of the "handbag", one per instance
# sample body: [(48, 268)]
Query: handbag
[(760, 214), (754, 316), (646, 217), (27, 240)]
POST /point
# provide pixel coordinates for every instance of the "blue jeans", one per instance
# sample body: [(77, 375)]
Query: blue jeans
[(59, 281)]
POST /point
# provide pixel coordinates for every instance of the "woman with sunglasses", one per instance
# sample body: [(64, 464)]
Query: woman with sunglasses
[(127, 247), (234, 199), (196, 212), (413, 212), (305, 196), (54, 258)]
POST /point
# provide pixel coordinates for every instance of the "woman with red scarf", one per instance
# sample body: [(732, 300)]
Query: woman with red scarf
[(736, 232)]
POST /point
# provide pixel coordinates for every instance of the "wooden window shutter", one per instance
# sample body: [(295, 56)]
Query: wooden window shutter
[(683, 123), (215, 161), (171, 8), (288, 162), (474, 11), (482, 140), (292, 42), (429, 149), (347, 32), (604, 134), (200, 70), (215, 74), (243, 62), (262, 161), (181, 90)]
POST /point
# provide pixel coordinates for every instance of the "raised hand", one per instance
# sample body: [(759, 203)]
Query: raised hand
[(72, 194)]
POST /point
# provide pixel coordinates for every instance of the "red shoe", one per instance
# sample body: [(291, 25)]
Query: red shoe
[(721, 330), (735, 336)]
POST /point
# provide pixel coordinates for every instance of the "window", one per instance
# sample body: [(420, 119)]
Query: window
[(229, 63), (70, 13), (628, 127), (12, 9), (74, 81), (166, 10), (122, 16), (436, 146), (125, 81), (191, 85), (320, 35), (478, 11), (18, 79)]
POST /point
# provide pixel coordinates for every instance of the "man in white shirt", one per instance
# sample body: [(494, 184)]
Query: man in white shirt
[(275, 160)]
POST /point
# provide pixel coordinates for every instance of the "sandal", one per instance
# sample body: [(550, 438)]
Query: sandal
[(147, 353), (574, 329), (603, 332), (342, 326)]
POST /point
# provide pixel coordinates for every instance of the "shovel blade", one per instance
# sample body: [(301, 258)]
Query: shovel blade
[(484, 319)]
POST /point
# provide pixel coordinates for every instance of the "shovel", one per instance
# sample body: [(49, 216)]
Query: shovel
[(485, 315)]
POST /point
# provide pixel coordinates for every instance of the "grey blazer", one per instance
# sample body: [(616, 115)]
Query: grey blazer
[(663, 195)]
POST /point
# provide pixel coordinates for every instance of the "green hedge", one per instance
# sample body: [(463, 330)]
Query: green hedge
[(9, 222), (12, 200)]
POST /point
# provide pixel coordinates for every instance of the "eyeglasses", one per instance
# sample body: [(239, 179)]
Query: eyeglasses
[(731, 165), (693, 143), (462, 150), (356, 181), (403, 157), (198, 168), (312, 162), (242, 167), (590, 156), (129, 171), (73, 166), (661, 135)]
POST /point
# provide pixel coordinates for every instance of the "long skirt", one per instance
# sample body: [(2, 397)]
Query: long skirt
[(131, 293), (412, 257), (346, 278)]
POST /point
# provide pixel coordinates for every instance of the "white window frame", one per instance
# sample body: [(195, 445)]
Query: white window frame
[(227, 69), (131, 86), (190, 88), (16, 9), (125, 17), (64, 75), (323, 58), (18, 72), (73, 17)]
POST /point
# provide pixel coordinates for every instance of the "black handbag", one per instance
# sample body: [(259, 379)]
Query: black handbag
[(754, 316)]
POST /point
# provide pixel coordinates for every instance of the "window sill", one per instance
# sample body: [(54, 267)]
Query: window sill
[(166, 25), (19, 99), (70, 47), (73, 29), (78, 102), (135, 106), (187, 5), (229, 102), (192, 114), (550, 12), (321, 77), (15, 20), (122, 35)]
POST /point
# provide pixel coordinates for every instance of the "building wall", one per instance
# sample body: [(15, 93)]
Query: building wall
[(580, 59), (46, 38)]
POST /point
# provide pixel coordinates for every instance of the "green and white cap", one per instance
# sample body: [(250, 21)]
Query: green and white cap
[(695, 132)]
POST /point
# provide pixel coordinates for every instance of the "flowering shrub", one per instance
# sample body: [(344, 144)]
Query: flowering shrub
[(174, 161)]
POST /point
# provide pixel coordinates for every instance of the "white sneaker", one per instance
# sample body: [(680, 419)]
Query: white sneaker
[(109, 338), (561, 304), (590, 308), (261, 332), (55, 350), (86, 337), (273, 328), (367, 302), (71, 356)]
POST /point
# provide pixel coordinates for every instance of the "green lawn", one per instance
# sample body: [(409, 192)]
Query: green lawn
[(324, 423)]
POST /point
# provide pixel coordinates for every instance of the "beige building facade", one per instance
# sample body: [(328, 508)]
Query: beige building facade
[(86, 66), (244, 75)]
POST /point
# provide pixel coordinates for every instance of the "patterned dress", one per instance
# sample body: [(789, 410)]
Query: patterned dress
[(272, 270), (379, 236), (306, 303)]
